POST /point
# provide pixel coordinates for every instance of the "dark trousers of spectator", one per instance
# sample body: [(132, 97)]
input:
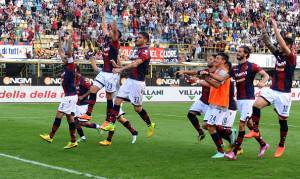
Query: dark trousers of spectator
[(82, 43), (53, 31)]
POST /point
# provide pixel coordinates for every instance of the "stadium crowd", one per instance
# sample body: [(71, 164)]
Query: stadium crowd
[(203, 24)]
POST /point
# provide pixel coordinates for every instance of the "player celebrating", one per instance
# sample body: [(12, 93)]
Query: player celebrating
[(244, 74), (126, 123), (106, 78), (200, 106), (279, 94), (132, 89), (68, 105), (218, 102)]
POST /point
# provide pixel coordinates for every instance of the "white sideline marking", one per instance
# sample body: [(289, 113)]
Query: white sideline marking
[(51, 166)]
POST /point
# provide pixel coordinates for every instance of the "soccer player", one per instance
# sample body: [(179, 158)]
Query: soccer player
[(106, 78), (83, 87), (200, 106), (218, 102), (279, 94), (126, 123), (132, 89), (68, 105), (244, 74)]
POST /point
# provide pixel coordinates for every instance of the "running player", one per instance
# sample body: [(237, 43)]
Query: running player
[(200, 106), (106, 78), (68, 105), (244, 74), (279, 94), (132, 89)]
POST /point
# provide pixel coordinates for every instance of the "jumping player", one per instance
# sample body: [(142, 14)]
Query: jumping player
[(68, 105), (132, 89), (279, 94), (106, 78)]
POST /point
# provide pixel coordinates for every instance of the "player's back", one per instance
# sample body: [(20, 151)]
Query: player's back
[(111, 52), (68, 82)]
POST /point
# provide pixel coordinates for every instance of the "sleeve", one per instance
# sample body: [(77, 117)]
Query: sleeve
[(292, 59), (256, 68)]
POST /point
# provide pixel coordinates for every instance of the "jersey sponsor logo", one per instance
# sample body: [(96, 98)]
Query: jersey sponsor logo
[(20, 81), (241, 74)]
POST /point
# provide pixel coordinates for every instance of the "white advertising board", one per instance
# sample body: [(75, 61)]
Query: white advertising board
[(18, 94), (15, 51)]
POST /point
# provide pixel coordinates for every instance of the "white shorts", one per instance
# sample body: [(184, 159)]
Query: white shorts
[(68, 104), (80, 110), (282, 101), (229, 118), (215, 115), (199, 107), (107, 80), (245, 108), (132, 90)]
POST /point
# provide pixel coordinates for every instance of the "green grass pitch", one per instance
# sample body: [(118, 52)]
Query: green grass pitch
[(173, 151)]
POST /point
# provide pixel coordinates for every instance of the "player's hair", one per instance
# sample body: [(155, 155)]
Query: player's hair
[(145, 35), (289, 41), (214, 55), (247, 50)]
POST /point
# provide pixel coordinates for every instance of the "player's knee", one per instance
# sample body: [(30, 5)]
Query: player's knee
[(138, 109), (191, 115), (260, 103), (118, 101), (109, 96)]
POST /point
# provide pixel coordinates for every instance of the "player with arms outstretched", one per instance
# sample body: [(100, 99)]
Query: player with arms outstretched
[(279, 94), (132, 89), (68, 105)]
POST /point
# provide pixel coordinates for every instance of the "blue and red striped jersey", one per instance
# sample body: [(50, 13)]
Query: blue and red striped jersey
[(139, 72), (282, 78), (244, 75), (111, 52), (83, 86), (68, 79)]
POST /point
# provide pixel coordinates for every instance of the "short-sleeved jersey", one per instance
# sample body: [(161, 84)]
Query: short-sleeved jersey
[(83, 86), (244, 75), (232, 102), (139, 72), (68, 78), (111, 52), (282, 78)]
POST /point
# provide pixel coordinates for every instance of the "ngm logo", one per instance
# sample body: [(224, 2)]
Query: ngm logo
[(9, 80), (52, 81), (168, 82)]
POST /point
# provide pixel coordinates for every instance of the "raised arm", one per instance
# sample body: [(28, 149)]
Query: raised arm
[(115, 35), (182, 72), (279, 38), (94, 65), (104, 27), (265, 36), (134, 64)]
